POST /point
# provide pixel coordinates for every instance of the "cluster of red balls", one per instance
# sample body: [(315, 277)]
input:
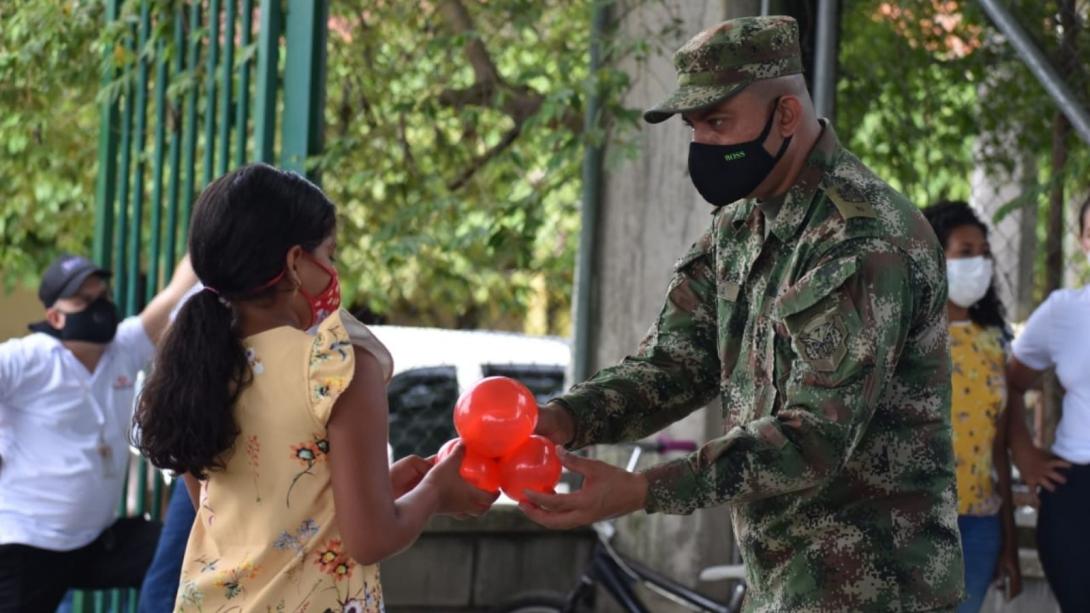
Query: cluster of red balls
[(495, 419)]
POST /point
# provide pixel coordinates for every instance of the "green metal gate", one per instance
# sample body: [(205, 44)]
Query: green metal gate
[(192, 90)]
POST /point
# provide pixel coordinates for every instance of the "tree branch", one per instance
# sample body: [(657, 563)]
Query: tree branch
[(402, 133), (489, 89), (483, 68), (467, 174)]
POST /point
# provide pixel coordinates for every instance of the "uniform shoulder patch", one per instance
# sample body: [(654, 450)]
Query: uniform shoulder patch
[(849, 201)]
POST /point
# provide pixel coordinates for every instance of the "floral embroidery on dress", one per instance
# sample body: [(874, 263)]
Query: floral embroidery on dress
[(255, 362), (333, 561), (330, 342), (296, 543), (253, 458), (232, 580), (206, 566), (190, 594), (324, 387), (328, 345), (367, 598), (307, 453)]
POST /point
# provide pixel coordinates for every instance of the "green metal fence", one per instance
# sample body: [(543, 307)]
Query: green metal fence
[(196, 92)]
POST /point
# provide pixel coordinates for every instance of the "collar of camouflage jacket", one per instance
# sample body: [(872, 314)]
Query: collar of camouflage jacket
[(785, 214)]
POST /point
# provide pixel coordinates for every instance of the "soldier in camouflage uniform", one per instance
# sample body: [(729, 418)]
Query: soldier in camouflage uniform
[(816, 312)]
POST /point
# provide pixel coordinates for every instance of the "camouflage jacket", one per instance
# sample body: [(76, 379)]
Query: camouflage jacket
[(819, 320)]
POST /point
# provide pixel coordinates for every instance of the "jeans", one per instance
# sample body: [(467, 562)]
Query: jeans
[(981, 541), (160, 586)]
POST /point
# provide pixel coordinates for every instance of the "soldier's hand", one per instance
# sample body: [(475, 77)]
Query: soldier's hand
[(607, 491), (555, 423)]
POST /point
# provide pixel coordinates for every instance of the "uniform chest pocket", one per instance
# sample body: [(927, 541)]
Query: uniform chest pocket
[(822, 324)]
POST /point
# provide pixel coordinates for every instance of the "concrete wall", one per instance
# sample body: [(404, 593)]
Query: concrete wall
[(474, 565), (650, 215)]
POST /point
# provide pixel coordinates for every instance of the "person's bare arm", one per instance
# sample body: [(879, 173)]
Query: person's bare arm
[(1037, 466), (374, 523), (156, 316), (1007, 564)]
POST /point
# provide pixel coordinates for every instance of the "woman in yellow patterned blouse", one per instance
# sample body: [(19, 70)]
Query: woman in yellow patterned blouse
[(281, 434), (978, 349)]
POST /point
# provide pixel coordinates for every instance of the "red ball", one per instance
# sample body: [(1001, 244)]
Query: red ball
[(476, 470), (495, 416), (533, 465)]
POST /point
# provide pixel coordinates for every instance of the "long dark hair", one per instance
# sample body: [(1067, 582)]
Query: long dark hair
[(946, 216), (244, 223)]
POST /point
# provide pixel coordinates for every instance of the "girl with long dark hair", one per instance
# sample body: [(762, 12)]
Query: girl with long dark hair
[(281, 434)]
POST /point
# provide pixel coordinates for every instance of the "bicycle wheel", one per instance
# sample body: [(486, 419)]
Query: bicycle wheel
[(534, 602)]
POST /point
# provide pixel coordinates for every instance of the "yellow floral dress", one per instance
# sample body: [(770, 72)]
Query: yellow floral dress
[(979, 388), (265, 536)]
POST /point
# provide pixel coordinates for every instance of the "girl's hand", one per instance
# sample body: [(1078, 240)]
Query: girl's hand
[(407, 472), (1008, 574), (456, 497)]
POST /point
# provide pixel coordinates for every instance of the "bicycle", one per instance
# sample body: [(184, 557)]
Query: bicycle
[(619, 574)]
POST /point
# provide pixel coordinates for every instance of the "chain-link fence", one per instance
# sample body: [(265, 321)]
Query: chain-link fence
[(1027, 250)]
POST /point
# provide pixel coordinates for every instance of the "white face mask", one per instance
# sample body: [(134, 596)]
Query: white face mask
[(969, 279)]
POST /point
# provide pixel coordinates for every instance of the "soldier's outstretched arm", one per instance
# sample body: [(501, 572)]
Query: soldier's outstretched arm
[(847, 320), (674, 372)]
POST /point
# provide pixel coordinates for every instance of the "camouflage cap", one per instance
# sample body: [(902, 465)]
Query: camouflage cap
[(722, 60)]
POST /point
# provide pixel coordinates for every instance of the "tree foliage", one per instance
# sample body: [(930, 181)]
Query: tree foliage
[(457, 137), (454, 140), (49, 78), (455, 133), (929, 88)]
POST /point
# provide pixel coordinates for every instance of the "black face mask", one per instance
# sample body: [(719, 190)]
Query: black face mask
[(95, 324), (725, 173)]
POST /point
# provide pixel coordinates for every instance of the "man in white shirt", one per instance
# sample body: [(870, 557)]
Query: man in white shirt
[(66, 397)]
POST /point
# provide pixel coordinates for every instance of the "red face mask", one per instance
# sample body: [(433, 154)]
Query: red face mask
[(328, 300)]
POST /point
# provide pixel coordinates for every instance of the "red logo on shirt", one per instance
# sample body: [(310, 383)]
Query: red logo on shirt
[(122, 382)]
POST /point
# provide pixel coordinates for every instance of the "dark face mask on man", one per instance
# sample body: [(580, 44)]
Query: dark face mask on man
[(726, 173), (95, 324)]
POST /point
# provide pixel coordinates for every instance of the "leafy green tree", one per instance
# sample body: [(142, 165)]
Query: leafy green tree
[(48, 132), (929, 89), (454, 140), (456, 144), (455, 133)]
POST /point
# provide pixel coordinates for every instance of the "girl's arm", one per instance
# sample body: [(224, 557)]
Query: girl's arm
[(373, 522), (1007, 566)]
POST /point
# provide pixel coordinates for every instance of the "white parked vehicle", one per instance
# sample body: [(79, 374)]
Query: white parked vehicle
[(433, 366)]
